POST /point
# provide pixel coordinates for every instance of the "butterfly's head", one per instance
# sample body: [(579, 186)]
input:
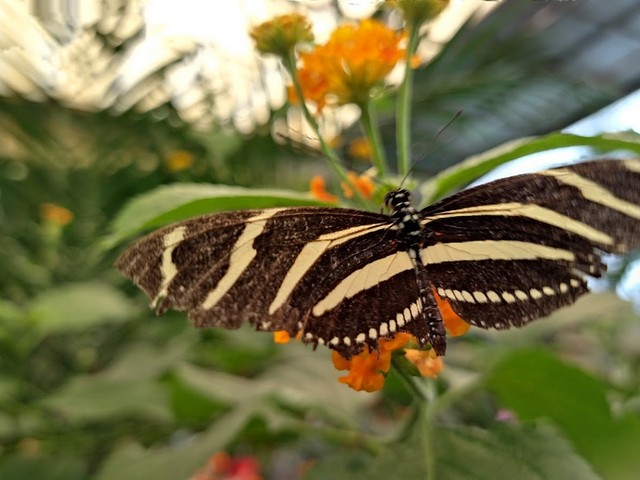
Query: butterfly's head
[(397, 199)]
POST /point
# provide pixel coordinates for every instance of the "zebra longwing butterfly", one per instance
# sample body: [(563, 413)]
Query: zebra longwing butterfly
[(500, 255)]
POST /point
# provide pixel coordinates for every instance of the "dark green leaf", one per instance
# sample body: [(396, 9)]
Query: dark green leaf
[(40, 467), (534, 384), (523, 452)]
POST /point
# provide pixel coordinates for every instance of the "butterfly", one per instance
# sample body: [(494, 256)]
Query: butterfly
[(498, 255)]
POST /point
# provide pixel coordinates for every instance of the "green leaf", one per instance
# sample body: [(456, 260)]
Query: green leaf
[(10, 312), (142, 361), (56, 467), (301, 379), (525, 452), (78, 307), (170, 203), (94, 398), (474, 167), (534, 384), (506, 452), (131, 461)]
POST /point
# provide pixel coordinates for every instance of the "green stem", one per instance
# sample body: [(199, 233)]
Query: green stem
[(403, 106), (345, 438), (330, 153), (370, 126), (414, 387)]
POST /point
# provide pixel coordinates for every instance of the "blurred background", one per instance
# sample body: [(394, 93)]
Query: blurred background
[(102, 102)]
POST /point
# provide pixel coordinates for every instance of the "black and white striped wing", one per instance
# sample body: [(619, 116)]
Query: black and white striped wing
[(505, 253), (336, 276)]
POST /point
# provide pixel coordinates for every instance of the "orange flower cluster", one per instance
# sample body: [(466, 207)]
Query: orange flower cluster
[(55, 214), (361, 149), (429, 364), (354, 60), (179, 160), (363, 183), (367, 369), (317, 188)]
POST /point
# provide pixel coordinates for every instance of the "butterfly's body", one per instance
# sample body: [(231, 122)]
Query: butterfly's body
[(500, 255)]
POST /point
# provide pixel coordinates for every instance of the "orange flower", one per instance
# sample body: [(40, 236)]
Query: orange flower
[(179, 160), (429, 364), (367, 369), (222, 466), (281, 34), (362, 182), (55, 214), (455, 325), (353, 61), (360, 148), (318, 190), (281, 336)]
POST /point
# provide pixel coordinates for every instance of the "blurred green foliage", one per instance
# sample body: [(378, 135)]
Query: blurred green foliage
[(92, 385)]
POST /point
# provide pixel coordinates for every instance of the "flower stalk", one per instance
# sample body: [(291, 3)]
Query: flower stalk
[(403, 106), (371, 131)]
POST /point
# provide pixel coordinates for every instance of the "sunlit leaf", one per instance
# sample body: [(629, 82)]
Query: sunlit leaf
[(474, 167), (170, 203)]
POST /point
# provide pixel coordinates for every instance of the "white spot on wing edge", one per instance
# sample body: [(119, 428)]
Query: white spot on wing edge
[(168, 269), (384, 329), (480, 297), (493, 296), (468, 297), (508, 297), (521, 295), (241, 256), (535, 293)]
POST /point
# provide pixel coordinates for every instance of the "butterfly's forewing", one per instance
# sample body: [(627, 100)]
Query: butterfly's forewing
[(270, 268), (513, 250)]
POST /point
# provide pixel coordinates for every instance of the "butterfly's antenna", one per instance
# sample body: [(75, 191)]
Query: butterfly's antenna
[(440, 132)]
